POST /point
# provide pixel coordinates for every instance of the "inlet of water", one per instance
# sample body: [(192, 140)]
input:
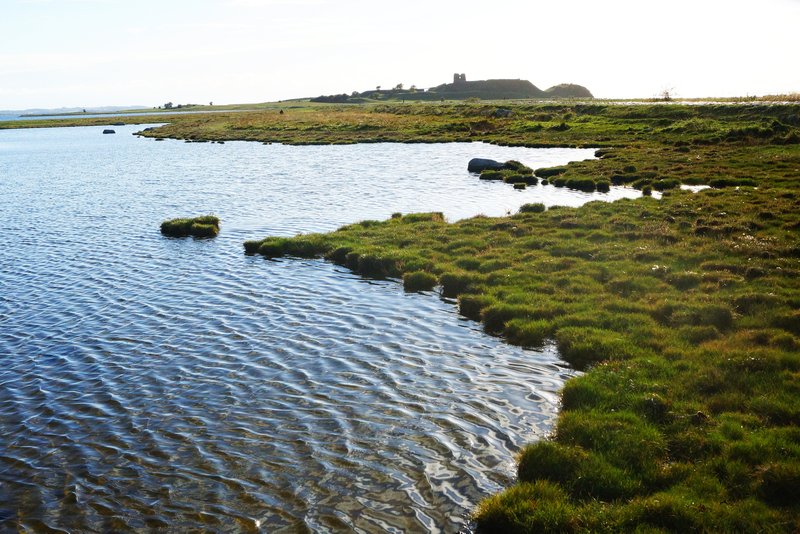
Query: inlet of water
[(152, 382)]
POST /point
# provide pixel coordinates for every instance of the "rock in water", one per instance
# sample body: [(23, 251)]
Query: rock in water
[(481, 164), (108, 131)]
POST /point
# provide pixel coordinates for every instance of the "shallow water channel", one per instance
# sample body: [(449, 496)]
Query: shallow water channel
[(151, 382)]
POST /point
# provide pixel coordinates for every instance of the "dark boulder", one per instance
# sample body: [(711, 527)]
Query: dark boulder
[(109, 131), (481, 164)]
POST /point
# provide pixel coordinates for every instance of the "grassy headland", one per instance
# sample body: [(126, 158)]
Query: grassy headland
[(685, 310)]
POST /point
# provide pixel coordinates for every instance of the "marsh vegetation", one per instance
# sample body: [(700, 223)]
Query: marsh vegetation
[(203, 226), (682, 310)]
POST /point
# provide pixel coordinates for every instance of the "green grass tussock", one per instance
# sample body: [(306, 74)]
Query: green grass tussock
[(204, 226), (514, 173), (535, 207), (529, 507), (549, 172), (419, 281)]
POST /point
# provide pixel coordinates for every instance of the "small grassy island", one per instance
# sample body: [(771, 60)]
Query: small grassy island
[(684, 311), (204, 226)]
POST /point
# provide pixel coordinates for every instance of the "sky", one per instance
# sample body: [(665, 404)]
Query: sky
[(65, 53)]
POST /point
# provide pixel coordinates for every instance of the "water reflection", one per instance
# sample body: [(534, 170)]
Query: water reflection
[(160, 383)]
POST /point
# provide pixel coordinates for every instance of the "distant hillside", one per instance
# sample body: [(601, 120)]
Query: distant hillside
[(569, 90), (461, 89), (488, 89), (61, 111)]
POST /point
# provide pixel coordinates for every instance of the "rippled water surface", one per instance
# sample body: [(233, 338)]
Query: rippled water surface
[(153, 382)]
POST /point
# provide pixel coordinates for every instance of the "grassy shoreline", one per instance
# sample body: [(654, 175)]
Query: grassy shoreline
[(683, 310)]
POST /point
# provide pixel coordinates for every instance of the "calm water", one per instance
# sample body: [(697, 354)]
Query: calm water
[(116, 117), (151, 382)]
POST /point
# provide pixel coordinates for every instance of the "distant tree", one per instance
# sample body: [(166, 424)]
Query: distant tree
[(355, 93), (211, 103), (329, 99), (413, 88), (378, 88), (168, 105), (667, 94), (398, 87)]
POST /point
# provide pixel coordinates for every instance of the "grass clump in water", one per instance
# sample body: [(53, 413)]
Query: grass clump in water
[(419, 281), (581, 184), (492, 175), (549, 172), (204, 226), (533, 207)]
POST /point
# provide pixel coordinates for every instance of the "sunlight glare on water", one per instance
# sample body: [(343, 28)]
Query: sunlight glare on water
[(150, 382)]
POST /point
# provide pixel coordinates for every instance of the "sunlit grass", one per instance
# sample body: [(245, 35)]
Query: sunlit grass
[(203, 226), (683, 311)]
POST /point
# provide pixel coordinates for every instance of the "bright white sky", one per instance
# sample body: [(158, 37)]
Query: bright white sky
[(57, 53)]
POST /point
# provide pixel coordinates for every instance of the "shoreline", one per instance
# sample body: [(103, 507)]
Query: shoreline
[(684, 310), (662, 296)]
